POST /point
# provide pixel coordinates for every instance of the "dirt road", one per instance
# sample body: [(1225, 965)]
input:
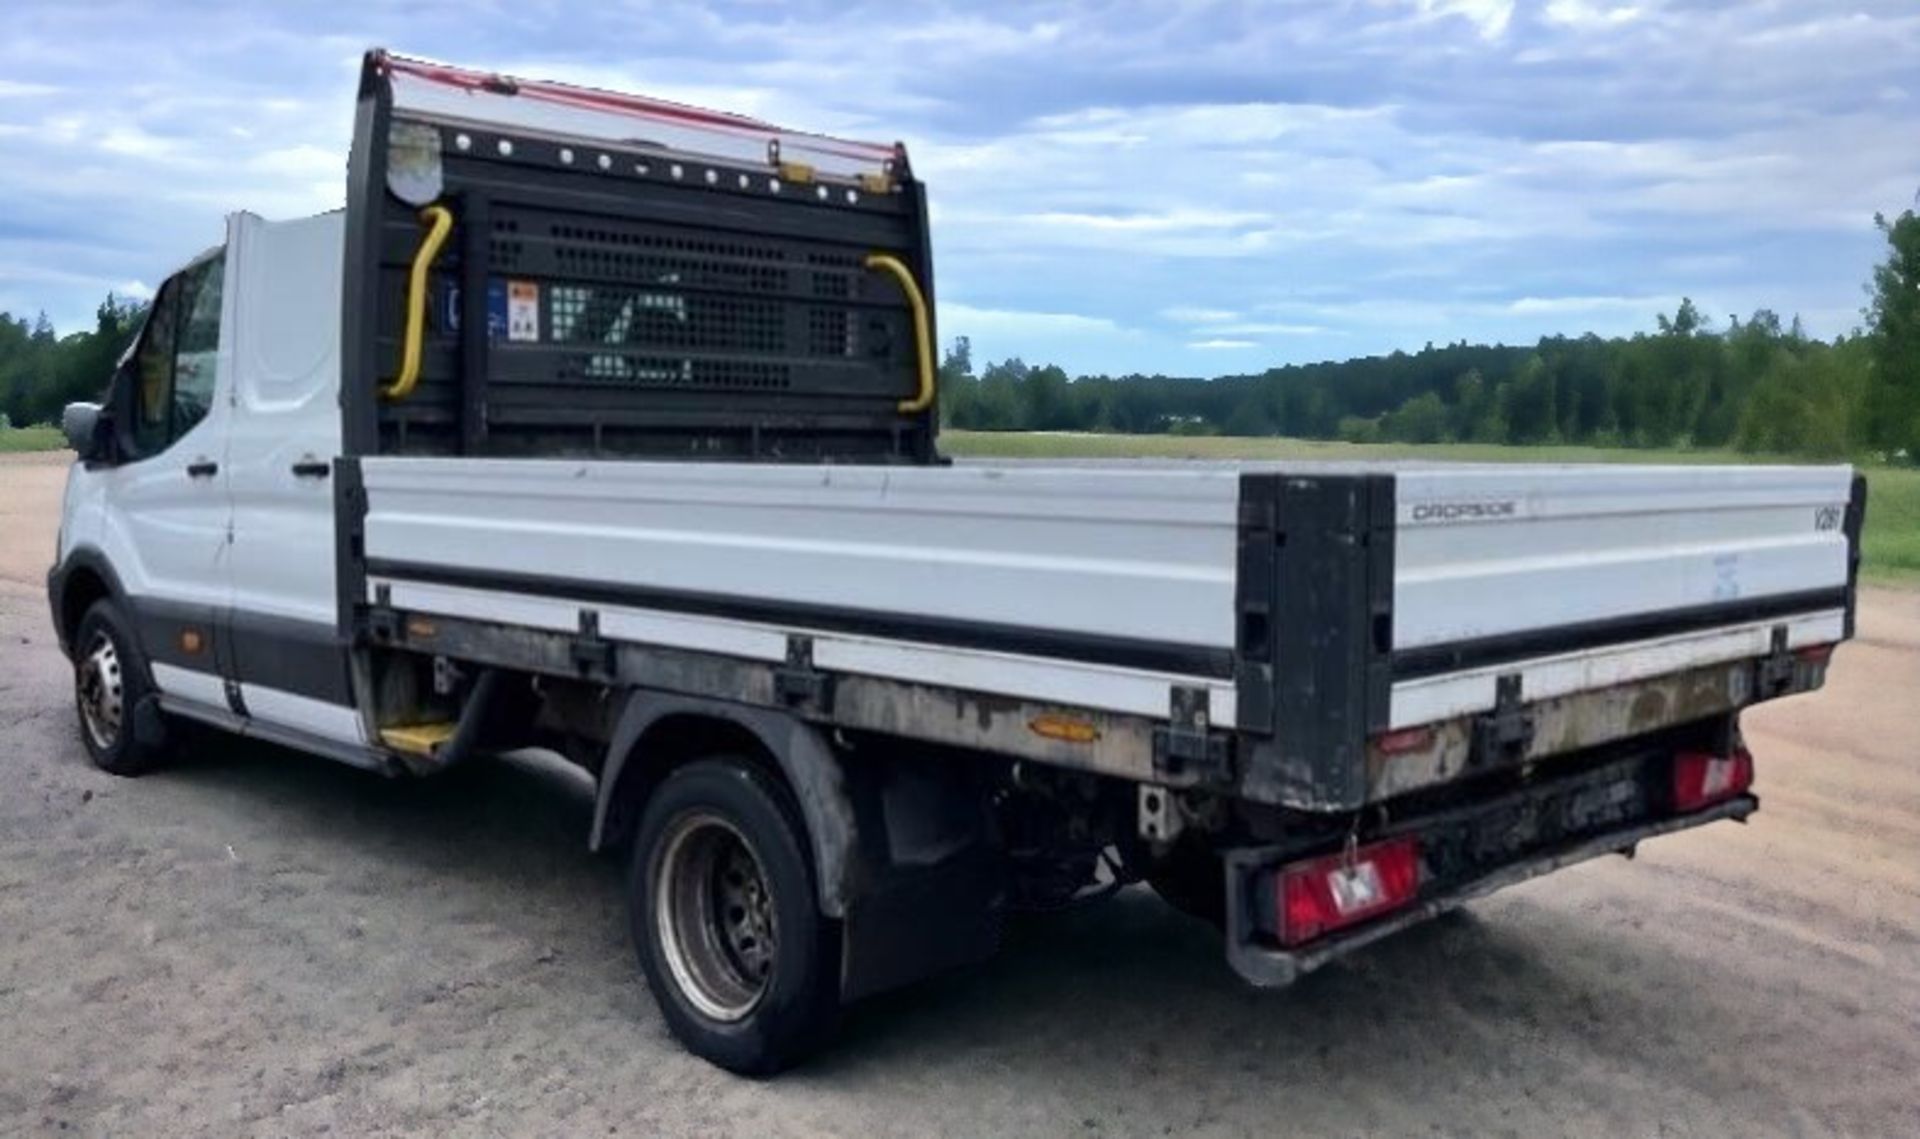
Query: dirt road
[(255, 942)]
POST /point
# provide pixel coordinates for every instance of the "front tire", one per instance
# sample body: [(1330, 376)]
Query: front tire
[(742, 963), (109, 686)]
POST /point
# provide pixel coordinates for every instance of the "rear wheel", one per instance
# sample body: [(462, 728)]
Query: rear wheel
[(109, 684), (741, 961), (1192, 879)]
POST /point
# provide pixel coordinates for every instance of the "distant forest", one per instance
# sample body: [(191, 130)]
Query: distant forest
[(1758, 384), (41, 372)]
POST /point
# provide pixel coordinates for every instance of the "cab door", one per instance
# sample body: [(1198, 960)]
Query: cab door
[(288, 655), (164, 506)]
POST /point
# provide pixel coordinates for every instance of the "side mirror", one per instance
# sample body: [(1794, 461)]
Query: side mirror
[(81, 424)]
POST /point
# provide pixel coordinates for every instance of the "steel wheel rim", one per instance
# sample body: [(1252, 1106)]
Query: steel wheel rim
[(100, 687), (713, 915)]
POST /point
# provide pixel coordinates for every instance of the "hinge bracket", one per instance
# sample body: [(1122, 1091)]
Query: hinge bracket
[(383, 621), (591, 653), (1503, 735), (1186, 744), (797, 682), (1773, 673)]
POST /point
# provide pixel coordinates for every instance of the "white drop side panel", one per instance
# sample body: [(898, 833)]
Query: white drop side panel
[(1144, 556), (1484, 552)]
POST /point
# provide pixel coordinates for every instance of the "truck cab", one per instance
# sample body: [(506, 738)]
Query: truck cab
[(202, 502)]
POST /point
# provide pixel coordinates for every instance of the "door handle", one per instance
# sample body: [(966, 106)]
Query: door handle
[(312, 469), (202, 469)]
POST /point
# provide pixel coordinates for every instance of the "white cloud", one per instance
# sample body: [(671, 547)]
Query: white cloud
[(1586, 15), (957, 319), (1109, 185), (1697, 264), (303, 161), (1820, 27), (1575, 305), (1191, 314), (1169, 221), (137, 143), (1489, 16), (1219, 343), (1267, 328)]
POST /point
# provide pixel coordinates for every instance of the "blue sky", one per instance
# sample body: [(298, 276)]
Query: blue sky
[(1192, 188)]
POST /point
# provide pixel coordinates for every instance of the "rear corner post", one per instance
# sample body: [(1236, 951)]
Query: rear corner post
[(1855, 523), (1314, 605), (360, 278)]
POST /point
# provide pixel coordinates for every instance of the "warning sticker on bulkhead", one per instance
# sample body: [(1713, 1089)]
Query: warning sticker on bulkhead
[(523, 310)]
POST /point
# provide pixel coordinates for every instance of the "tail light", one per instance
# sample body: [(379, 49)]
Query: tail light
[(1403, 741), (1702, 778), (1324, 894), (1815, 654)]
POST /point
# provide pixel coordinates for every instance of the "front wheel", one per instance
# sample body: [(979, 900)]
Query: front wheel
[(741, 961), (109, 682)]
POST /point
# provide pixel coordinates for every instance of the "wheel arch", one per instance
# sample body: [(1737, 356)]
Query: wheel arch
[(82, 579), (656, 732)]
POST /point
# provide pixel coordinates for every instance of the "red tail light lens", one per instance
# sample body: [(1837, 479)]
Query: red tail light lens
[(1815, 654), (1324, 894), (1404, 740), (1701, 778)]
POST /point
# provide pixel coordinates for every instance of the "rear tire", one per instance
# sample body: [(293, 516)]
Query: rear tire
[(109, 686), (1193, 880), (743, 965)]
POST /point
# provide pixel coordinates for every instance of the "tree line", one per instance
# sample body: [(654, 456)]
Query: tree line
[(41, 372), (1759, 384)]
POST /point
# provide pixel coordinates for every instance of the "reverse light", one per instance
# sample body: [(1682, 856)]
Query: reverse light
[(1701, 778), (1321, 895)]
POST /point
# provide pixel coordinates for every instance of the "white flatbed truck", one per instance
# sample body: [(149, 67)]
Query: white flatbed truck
[(606, 425)]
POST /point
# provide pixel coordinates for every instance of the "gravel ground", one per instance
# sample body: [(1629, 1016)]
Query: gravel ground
[(253, 942)]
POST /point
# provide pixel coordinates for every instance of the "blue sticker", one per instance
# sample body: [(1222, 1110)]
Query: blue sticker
[(496, 307)]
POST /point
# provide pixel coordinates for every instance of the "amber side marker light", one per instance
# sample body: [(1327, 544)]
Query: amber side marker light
[(1065, 728)]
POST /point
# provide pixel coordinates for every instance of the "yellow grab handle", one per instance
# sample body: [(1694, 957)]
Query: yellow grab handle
[(440, 222), (922, 334)]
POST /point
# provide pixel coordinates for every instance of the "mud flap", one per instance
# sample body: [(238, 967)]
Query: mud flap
[(930, 897), (922, 920), (149, 727)]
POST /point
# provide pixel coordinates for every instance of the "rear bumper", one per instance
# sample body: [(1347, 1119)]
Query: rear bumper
[(1267, 966)]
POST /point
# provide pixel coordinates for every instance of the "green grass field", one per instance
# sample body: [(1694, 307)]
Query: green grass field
[(31, 439), (1892, 540)]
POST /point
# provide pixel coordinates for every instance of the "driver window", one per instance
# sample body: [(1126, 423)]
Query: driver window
[(196, 361), (177, 365), (153, 374)]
